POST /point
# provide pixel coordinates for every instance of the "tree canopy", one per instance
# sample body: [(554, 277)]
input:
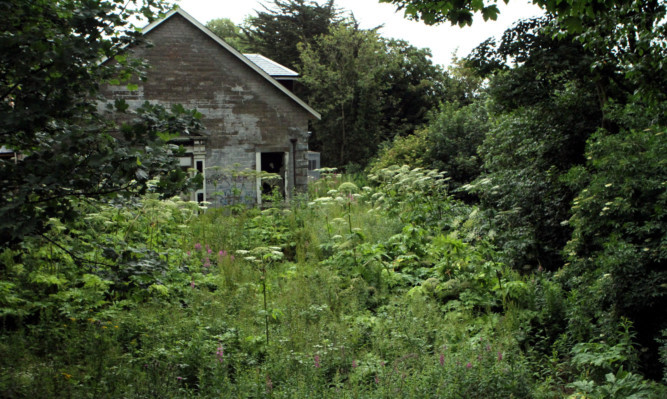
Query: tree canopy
[(369, 90), (461, 12), (228, 31), (276, 31)]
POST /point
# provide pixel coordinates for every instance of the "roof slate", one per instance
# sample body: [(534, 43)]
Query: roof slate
[(271, 67)]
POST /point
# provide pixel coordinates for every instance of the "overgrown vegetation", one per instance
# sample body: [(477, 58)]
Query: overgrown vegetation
[(518, 252), (384, 289)]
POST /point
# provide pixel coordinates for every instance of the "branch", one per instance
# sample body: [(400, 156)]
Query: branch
[(77, 259), (81, 194)]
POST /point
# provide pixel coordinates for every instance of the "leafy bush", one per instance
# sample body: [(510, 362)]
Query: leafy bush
[(617, 247)]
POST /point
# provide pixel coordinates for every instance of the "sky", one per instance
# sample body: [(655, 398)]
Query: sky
[(443, 40)]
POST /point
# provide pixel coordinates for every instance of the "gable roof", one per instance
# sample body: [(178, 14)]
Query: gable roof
[(274, 69), (238, 55)]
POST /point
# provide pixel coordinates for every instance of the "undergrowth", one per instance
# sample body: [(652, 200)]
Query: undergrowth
[(384, 288)]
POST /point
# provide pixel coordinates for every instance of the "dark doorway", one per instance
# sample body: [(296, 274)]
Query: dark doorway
[(273, 162)]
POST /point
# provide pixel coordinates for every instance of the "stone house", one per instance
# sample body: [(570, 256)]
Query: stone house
[(253, 120)]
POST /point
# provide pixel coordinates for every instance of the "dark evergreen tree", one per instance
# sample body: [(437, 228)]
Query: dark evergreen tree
[(276, 31)]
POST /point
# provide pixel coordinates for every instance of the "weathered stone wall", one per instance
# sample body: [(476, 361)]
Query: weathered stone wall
[(242, 111)]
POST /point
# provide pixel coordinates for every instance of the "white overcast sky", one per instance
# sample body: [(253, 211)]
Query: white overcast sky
[(443, 40)]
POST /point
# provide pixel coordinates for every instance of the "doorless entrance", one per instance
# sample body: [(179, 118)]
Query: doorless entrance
[(273, 162)]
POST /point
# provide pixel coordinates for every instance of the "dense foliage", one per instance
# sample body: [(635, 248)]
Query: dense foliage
[(50, 58), (519, 253), (368, 90), (572, 108), (308, 300)]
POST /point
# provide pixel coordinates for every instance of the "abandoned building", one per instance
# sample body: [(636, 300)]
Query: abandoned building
[(253, 121)]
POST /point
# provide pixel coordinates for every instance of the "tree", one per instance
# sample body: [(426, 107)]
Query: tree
[(544, 104), (225, 29), (344, 72), (51, 71), (415, 88), (617, 247), (369, 90), (276, 32), (629, 34), (580, 139), (451, 131), (461, 11)]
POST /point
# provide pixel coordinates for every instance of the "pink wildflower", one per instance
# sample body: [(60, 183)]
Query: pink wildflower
[(231, 257), (188, 253), (469, 365), (377, 379), (354, 364), (220, 354), (317, 361), (207, 263), (222, 253), (500, 356), (442, 359), (197, 246), (209, 250)]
